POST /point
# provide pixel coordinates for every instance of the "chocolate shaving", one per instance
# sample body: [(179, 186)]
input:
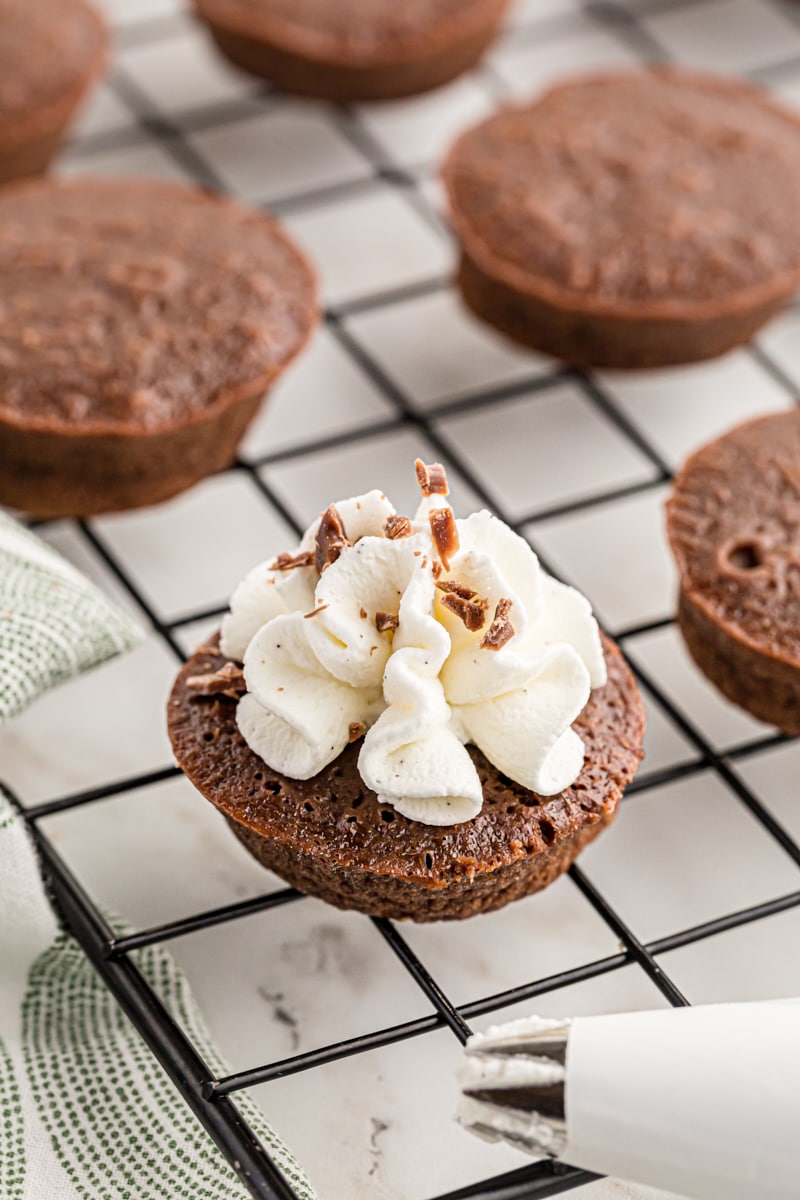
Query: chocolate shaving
[(331, 538), (444, 533), (397, 527), (471, 612), (227, 681), (501, 630), (288, 562), (357, 730), (431, 477), (385, 621), (320, 608)]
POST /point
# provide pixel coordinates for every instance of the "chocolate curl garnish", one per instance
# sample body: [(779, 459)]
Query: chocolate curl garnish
[(444, 533), (357, 730), (227, 681), (397, 527), (331, 538), (385, 621), (288, 562), (472, 612), (320, 608), (501, 630), (431, 477)]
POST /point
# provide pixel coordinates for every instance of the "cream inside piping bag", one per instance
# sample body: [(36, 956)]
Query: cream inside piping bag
[(703, 1101)]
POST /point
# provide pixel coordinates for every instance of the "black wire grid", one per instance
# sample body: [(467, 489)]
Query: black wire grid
[(209, 1097)]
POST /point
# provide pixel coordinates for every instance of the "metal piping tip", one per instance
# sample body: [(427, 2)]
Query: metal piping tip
[(512, 1084), (546, 1100), (550, 1044)]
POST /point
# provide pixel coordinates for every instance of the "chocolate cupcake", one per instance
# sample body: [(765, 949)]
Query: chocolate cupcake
[(141, 324), (353, 49), (638, 219), (51, 51), (734, 526), (425, 725)]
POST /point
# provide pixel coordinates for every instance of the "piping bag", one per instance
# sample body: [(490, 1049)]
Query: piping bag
[(704, 1101)]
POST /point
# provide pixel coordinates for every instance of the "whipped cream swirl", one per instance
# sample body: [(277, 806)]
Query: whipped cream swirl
[(421, 635)]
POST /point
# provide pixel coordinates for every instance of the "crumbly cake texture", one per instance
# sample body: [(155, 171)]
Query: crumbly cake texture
[(353, 49), (633, 219), (51, 52), (330, 837), (141, 324), (734, 527)]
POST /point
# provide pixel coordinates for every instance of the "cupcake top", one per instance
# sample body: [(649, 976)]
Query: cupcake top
[(356, 29), (653, 188), (420, 635), (136, 303), (49, 52)]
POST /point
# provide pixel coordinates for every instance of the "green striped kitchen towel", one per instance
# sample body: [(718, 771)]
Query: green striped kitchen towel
[(54, 623), (86, 1112)]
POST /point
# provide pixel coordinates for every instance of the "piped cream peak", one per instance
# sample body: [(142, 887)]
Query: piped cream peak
[(466, 640)]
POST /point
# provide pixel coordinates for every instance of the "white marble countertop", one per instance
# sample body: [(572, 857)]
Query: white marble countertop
[(379, 1124)]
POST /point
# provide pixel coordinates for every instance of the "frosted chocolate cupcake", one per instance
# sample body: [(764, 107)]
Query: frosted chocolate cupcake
[(408, 716), (51, 52)]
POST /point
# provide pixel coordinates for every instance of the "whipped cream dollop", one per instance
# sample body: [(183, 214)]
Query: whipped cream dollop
[(420, 635)]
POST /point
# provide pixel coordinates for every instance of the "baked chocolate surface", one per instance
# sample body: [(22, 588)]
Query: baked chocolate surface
[(330, 837), (630, 219), (353, 49), (734, 526), (50, 52), (141, 324)]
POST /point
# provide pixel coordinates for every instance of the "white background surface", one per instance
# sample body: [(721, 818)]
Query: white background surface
[(684, 852)]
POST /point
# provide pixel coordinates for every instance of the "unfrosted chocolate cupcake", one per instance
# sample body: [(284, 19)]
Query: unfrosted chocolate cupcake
[(424, 725), (51, 52), (734, 526), (353, 49), (140, 324), (634, 219)]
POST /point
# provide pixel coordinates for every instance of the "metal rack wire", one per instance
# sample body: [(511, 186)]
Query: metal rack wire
[(212, 1098)]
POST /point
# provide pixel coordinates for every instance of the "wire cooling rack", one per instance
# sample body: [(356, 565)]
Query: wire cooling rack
[(591, 36)]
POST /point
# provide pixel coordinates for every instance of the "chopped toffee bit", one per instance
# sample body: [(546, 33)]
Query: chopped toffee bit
[(436, 569), (227, 681), (362, 612), (445, 534), (331, 538), (471, 612), (288, 562), (385, 621), (458, 589), (320, 608), (357, 730), (501, 630), (397, 527), (431, 477)]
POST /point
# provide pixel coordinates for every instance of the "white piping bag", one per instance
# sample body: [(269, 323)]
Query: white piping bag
[(703, 1101)]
